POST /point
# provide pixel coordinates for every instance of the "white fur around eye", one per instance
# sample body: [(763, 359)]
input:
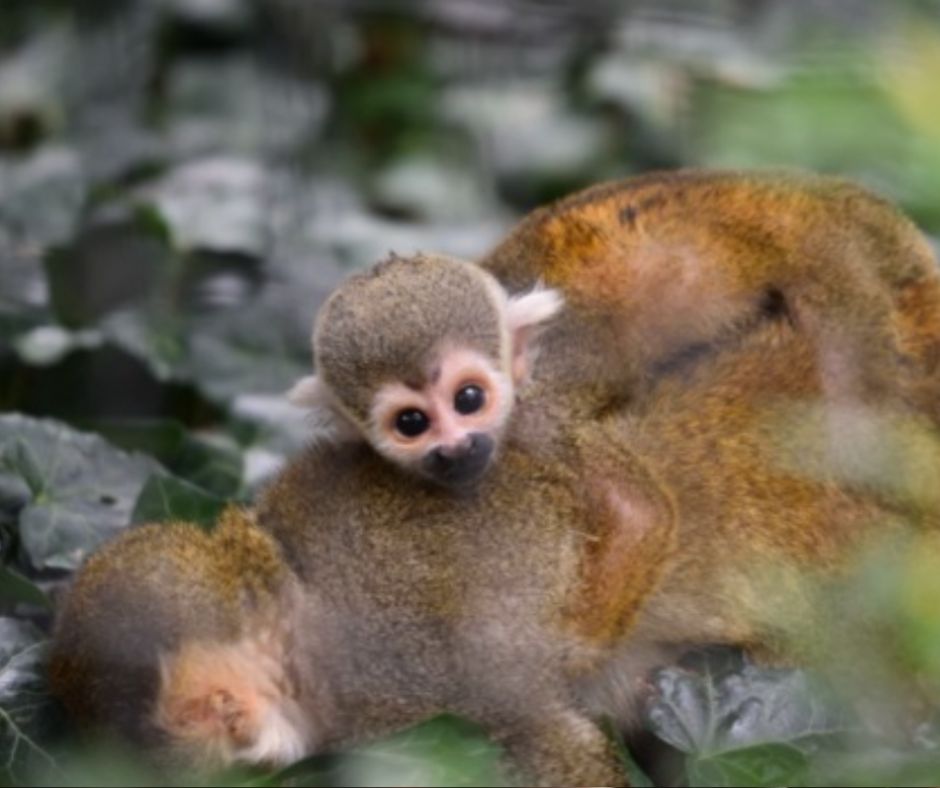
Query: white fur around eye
[(468, 367), (390, 400)]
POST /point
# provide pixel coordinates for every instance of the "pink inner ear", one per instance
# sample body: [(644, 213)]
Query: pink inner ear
[(633, 513), (521, 356), (523, 315)]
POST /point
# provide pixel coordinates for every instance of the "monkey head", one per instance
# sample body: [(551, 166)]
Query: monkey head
[(421, 356)]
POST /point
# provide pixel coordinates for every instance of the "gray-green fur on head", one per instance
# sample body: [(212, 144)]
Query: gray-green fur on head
[(384, 323)]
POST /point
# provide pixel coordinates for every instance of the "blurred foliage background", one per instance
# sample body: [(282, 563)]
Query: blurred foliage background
[(182, 182)]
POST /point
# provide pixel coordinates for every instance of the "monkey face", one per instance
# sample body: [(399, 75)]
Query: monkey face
[(447, 427)]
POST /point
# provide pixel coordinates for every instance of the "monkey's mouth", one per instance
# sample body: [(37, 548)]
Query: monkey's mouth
[(462, 467)]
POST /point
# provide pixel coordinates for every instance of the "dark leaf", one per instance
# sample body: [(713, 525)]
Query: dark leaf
[(768, 764), (153, 336), (106, 267), (637, 777), (165, 498), (16, 588), (105, 764), (23, 700), (209, 464)]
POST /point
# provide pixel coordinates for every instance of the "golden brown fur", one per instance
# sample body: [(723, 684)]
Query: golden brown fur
[(411, 602), (538, 602), (654, 267), (595, 549), (114, 630), (656, 271)]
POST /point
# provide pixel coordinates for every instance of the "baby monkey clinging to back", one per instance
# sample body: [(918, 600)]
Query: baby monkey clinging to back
[(428, 382)]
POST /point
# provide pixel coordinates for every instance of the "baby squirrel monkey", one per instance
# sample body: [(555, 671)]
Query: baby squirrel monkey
[(422, 357)]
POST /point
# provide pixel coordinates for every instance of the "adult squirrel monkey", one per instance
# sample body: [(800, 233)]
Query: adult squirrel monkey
[(352, 601), (349, 603), (655, 267), (423, 357)]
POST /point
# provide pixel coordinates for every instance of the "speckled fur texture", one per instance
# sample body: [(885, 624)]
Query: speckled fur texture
[(656, 267), (599, 545), (537, 603), (374, 329)]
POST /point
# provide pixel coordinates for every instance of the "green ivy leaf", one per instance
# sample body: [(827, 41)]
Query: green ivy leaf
[(443, 751), (877, 765), (768, 764), (165, 498), (81, 489), (745, 725), (215, 467), (16, 588)]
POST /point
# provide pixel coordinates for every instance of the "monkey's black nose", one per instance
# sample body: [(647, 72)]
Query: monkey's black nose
[(460, 466)]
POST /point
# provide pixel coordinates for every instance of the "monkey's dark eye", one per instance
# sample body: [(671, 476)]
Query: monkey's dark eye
[(411, 423), (469, 399)]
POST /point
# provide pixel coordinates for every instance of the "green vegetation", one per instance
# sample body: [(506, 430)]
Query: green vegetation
[(181, 184)]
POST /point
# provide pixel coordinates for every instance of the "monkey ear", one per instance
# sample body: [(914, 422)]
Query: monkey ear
[(632, 534), (330, 423), (524, 315), (308, 392)]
